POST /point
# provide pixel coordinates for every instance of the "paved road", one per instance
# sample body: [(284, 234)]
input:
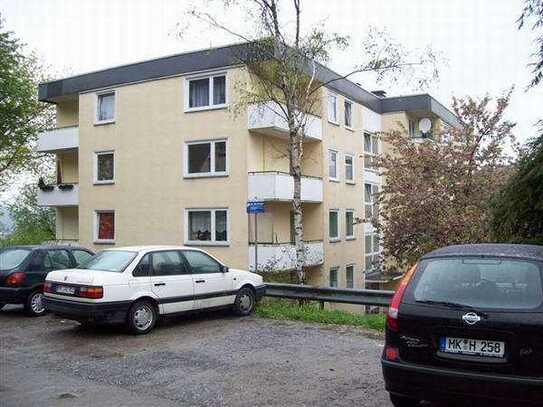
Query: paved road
[(208, 360)]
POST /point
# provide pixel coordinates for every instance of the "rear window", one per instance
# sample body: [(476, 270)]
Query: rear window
[(489, 283), (11, 258), (109, 260)]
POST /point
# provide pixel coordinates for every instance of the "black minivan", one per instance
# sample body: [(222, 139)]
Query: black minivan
[(467, 323), (23, 270)]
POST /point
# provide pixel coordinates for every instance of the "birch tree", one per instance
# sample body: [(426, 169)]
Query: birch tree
[(283, 62)]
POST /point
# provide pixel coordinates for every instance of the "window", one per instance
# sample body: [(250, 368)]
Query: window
[(333, 225), (57, 260), (205, 159), (168, 263), (332, 108), (81, 256), (348, 114), (105, 227), (205, 93), (104, 167), (143, 269), (332, 165), (371, 150), (105, 107), (333, 277), (370, 202), (207, 226), (349, 276), (371, 251), (11, 258), (114, 261), (201, 263), (412, 128), (349, 169), (349, 224)]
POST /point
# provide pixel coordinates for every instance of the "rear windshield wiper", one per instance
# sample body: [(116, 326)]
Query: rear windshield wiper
[(453, 305)]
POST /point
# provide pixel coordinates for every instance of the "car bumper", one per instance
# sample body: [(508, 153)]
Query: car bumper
[(10, 295), (111, 312), (260, 291), (429, 383)]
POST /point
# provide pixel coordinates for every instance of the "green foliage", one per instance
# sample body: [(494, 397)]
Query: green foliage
[(518, 210), (532, 15), (32, 224), (311, 312), (22, 116)]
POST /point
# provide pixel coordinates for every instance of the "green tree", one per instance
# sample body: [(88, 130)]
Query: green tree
[(32, 224), (518, 210), (532, 16), (22, 116)]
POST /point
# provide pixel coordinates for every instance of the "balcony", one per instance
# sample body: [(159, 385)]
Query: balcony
[(279, 186), (263, 118), (58, 195), (282, 256), (65, 138)]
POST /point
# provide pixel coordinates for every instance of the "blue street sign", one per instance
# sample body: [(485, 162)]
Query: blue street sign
[(255, 206)]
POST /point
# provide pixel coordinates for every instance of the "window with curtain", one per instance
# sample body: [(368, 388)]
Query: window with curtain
[(106, 107), (207, 92), (348, 114), (332, 107), (219, 90), (349, 169), (199, 92), (333, 277), (371, 150), (105, 167), (370, 201), (332, 164), (207, 225), (349, 276), (371, 255), (206, 158), (105, 223), (349, 224), (333, 225)]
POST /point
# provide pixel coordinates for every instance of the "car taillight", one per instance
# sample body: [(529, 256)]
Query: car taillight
[(16, 278), (47, 287), (91, 292), (392, 316), (392, 353)]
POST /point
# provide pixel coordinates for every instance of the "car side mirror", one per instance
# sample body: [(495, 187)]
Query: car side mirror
[(224, 269)]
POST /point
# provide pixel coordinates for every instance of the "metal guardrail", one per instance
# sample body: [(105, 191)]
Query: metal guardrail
[(379, 298)]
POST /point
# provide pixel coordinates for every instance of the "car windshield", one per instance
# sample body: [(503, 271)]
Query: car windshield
[(11, 258), (489, 283), (109, 260)]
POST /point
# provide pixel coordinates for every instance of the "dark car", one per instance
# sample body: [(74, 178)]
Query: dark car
[(467, 323), (23, 270)]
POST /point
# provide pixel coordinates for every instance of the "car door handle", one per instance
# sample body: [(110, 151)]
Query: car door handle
[(200, 281), (159, 284)]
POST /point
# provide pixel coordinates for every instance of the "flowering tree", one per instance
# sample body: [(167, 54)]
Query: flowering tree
[(438, 193)]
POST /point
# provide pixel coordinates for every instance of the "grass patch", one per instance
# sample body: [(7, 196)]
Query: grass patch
[(311, 312)]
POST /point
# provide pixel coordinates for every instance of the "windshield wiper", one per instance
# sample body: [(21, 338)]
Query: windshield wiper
[(456, 305)]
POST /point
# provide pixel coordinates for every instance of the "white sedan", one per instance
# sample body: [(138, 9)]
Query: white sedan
[(136, 285)]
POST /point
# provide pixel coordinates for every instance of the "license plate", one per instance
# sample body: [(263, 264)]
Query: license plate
[(62, 289), (472, 347)]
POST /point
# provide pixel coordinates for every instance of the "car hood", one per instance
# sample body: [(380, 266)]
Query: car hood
[(247, 276), (84, 276)]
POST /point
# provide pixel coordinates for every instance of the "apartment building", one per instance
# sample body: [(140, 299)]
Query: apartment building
[(151, 153)]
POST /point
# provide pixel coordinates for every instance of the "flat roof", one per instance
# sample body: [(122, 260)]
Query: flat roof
[(224, 57)]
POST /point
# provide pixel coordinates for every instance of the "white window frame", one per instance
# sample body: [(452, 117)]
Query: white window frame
[(211, 242), (336, 269), (212, 173), (346, 279), (333, 120), (97, 95), (336, 178), (373, 252), (96, 181), (370, 203), (209, 76), (349, 102), (371, 153), (353, 179), (334, 239), (353, 236), (96, 225)]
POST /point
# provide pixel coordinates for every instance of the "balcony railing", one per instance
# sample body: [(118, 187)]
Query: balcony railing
[(282, 256), (65, 138), (264, 118), (58, 195), (279, 186)]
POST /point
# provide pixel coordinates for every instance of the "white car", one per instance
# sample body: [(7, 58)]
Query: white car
[(135, 285)]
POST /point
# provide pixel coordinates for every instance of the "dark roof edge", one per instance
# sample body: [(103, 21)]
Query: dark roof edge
[(422, 101)]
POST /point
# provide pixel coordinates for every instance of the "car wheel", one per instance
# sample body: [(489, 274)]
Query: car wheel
[(402, 401), (245, 302), (34, 304), (142, 317)]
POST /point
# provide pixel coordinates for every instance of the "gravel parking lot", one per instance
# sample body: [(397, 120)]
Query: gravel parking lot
[(211, 359)]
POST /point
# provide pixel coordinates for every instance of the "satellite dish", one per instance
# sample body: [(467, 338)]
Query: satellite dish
[(425, 125)]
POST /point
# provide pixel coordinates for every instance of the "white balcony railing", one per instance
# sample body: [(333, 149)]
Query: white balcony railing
[(282, 256), (65, 138), (55, 195), (279, 186), (264, 118)]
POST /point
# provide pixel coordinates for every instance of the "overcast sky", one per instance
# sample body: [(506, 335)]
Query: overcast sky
[(485, 51)]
